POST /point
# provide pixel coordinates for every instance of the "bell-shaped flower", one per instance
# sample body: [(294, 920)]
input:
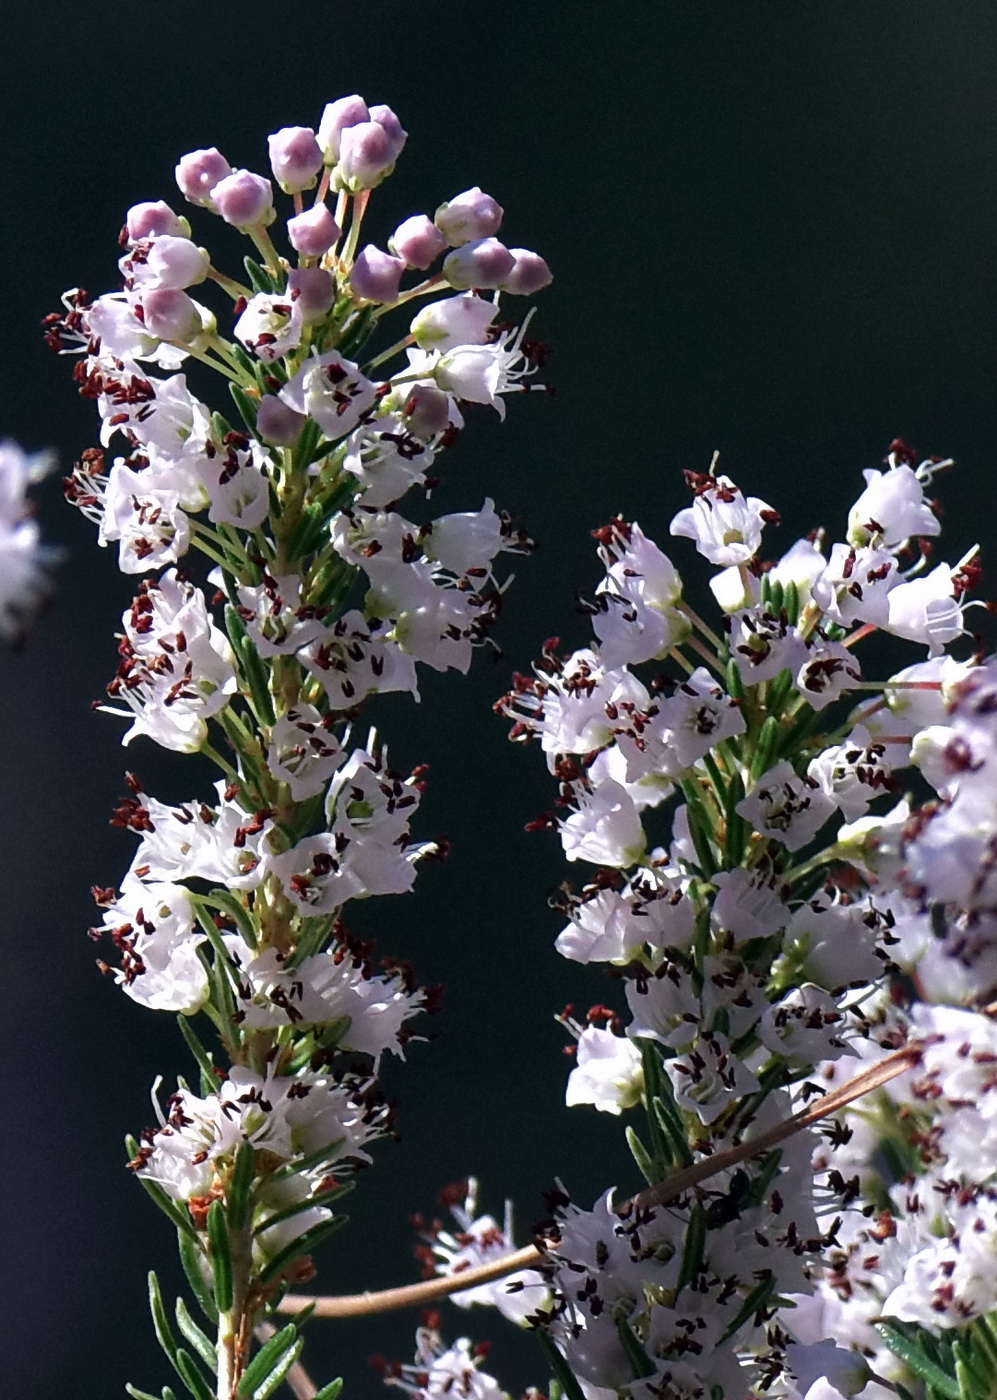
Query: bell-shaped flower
[(725, 526), (152, 926), (270, 326), (927, 609), (607, 1072), (355, 658), (223, 843), (145, 520), (604, 828), (303, 751), (788, 808), (856, 584), (892, 509), (332, 391), (460, 320)]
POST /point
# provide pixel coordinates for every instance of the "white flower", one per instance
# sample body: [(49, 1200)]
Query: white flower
[(332, 391), (152, 926), (892, 508), (829, 670), (145, 517), (605, 829), (270, 326), (303, 751), (461, 320), (927, 609), (607, 1073), (481, 373), (786, 807), (726, 527)]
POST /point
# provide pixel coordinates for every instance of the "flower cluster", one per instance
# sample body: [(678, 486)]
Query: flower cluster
[(804, 913), (321, 594)]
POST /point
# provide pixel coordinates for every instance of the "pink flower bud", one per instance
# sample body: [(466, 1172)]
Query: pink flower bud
[(314, 232), (170, 315), (427, 411), (417, 241), (393, 128), (295, 158), (469, 216), (154, 219), (366, 155), (244, 199), (483, 264), (376, 276), (530, 274), (277, 423), (338, 115), (199, 172), (314, 291)]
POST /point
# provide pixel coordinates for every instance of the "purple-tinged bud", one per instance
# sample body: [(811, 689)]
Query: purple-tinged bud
[(366, 155), (244, 200), (314, 291), (337, 116), (154, 219), (170, 315), (295, 158), (468, 217), (417, 241), (377, 276), (277, 423), (314, 232), (483, 264), (199, 172), (427, 411), (531, 274), (172, 263), (393, 128)]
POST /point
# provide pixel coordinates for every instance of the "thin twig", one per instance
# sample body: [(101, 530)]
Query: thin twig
[(531, 1257)]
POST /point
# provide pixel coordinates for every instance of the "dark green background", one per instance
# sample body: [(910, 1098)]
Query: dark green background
[(772, 228)]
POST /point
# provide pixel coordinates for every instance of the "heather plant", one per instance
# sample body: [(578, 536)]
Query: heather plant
[(787, 856)]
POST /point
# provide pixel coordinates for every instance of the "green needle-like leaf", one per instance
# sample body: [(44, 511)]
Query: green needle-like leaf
[(241, 1185), (192, 1377), (636, 1355), (164, 1333), (191, 1255), (562, 1371), (266, 1358), (192, 1334), (330, 1391), (911, 1354), (641, 1156), (221, 1255)]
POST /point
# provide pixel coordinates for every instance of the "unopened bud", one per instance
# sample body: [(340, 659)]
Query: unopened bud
[(244, 200), (468, 217), (154, 219), (199, 172), (393, 128), (530, 274), (483, 264), (427, 411), (377, 276), (454, 321), (366, 155), (170, 315), (313, 232), (173, 263), (277, 423), (337, 116), (314, 291), (295, 158), (417, 241)]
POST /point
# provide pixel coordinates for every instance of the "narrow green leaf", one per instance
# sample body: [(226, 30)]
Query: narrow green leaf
[(169, 1393), (562, 1371), (765, 748), (266, 1358), (641, 1156), (192, 1334), (322, 1198), (737, 828), (196, 1048), (330, 1391), (356, 333), (247, 407), (636, 1355), (758, 1190), (191, 1255), (699, 829), (912, 1355), (755, 1300), (164, 1333), (791, 602), (137, 1394), (238, 912), (192, 1377), (276, 1377), (734, 680), (259, 279), (241, 1185), (221, 1255), (304, 1244), (693, 1247)]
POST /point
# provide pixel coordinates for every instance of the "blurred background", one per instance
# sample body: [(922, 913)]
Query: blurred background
[(771, 226)]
